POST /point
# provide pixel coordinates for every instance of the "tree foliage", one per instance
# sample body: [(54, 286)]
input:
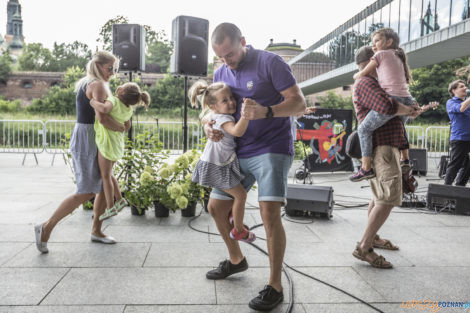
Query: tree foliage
[(5, 65), (431, 83), (65, 56), (335, 101), (168, 93), (35, 57)]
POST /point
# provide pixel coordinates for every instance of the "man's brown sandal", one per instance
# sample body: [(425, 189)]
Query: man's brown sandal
[(371, 257), (386, 245)]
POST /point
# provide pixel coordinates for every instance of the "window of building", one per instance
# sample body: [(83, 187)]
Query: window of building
[(27, 85), (346, 88)]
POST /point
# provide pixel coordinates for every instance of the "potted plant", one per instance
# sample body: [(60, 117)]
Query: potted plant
[(136, 169)]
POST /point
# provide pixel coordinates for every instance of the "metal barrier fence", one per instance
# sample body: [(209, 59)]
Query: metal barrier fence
[(22, 136), (34, 136), (415, 136)]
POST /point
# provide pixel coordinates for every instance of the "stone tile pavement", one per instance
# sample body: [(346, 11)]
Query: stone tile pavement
[(159, 265)]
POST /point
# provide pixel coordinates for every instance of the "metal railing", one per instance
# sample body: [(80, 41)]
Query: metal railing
[(22, 136), (411, 19), (34, 136), (416, 136)]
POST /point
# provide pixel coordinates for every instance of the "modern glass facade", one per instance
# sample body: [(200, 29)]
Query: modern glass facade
[(411, 19)]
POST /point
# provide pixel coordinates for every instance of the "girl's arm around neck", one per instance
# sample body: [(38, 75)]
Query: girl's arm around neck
[(103, 107), (367, 70), (237, 129)]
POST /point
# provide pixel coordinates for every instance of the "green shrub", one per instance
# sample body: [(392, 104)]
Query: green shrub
[(7, 106)]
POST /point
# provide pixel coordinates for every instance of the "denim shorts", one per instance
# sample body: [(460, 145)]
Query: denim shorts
[(269, 170)]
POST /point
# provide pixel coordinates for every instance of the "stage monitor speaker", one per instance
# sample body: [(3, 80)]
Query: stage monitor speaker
[(129, 46), (419, 161), (310, 198), (190, 37), (457, 197), (443, 163)]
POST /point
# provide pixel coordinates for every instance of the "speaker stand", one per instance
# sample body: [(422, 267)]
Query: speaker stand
[(129, 133), (185, 115)]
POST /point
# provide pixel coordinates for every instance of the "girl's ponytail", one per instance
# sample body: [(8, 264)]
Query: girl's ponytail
[(145, 98), (402, 55)]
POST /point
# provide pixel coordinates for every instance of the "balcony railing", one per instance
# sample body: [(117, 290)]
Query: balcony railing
[(411, 19)]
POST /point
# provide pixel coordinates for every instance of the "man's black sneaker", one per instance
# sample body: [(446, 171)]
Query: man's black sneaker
[(267, 299), (226, 268)]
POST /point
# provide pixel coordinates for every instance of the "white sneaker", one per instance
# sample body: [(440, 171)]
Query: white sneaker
[(106, 239), (42, 246)]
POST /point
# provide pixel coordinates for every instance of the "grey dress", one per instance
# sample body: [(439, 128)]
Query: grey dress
[(83, 147)]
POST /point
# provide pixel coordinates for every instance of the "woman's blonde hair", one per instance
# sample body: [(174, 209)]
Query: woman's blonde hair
[(389, 33), (93, 72), (130, 94), (205, 94)]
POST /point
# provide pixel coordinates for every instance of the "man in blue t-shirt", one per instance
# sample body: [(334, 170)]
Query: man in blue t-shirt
[(265, 151), (459, 115)]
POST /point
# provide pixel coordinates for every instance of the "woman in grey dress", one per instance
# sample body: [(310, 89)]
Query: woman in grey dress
[(94, 85)]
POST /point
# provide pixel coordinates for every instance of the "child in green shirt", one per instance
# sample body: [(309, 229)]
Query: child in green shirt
[(111, 143)]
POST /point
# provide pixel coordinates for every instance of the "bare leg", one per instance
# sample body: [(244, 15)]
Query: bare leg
[(117, 191), (105, 168), (65, 208), (98, 209), (276, 240), (405, 154), (238, 207), (220, 210), (366, 163), (377, 217)]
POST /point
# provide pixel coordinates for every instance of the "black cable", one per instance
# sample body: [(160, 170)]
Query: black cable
[(291, 284)]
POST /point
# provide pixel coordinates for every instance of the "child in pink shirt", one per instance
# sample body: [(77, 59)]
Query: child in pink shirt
[(394, 76)]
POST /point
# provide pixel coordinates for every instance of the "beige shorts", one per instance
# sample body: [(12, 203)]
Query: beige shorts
[(386, 185)]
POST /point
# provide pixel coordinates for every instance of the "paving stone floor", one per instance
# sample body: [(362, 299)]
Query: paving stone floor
[(159, 264)]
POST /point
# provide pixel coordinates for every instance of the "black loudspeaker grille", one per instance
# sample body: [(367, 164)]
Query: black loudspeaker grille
[(129, 46), (444, 195), (309, 198), (419, 161), (190, 37)]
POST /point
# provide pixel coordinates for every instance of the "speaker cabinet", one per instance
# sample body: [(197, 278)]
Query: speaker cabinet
[(308, 198), (190, 37), (129, 46), (419, 161), (456, 197)]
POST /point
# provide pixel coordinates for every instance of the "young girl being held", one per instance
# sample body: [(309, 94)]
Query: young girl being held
[(218, 166), (393, 76), (111, 143)]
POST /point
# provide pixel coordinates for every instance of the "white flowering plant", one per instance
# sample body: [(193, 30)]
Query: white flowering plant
[(173, 186), (136, 170)]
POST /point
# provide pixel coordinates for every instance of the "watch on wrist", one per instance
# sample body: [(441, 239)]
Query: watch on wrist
[(269, 113)]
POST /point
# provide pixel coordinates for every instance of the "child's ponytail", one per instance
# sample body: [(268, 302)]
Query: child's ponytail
[(196, 90), (145, 99), (402, 55)]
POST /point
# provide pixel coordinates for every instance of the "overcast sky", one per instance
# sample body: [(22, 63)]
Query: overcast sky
[(46, 21)]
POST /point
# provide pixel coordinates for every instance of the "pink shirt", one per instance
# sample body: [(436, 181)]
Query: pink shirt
[(391, 74)]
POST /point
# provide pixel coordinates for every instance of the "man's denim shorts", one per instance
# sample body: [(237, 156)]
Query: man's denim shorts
[(269, 170)]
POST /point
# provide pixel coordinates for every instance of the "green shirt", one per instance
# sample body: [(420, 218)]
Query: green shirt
[(111, 143)]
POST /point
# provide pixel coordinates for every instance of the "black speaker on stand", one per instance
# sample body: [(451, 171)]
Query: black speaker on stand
[(129, 46), (190, 36)]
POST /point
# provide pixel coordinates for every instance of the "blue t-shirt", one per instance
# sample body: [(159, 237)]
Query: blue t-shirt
[(460, 121), (261, 76)]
